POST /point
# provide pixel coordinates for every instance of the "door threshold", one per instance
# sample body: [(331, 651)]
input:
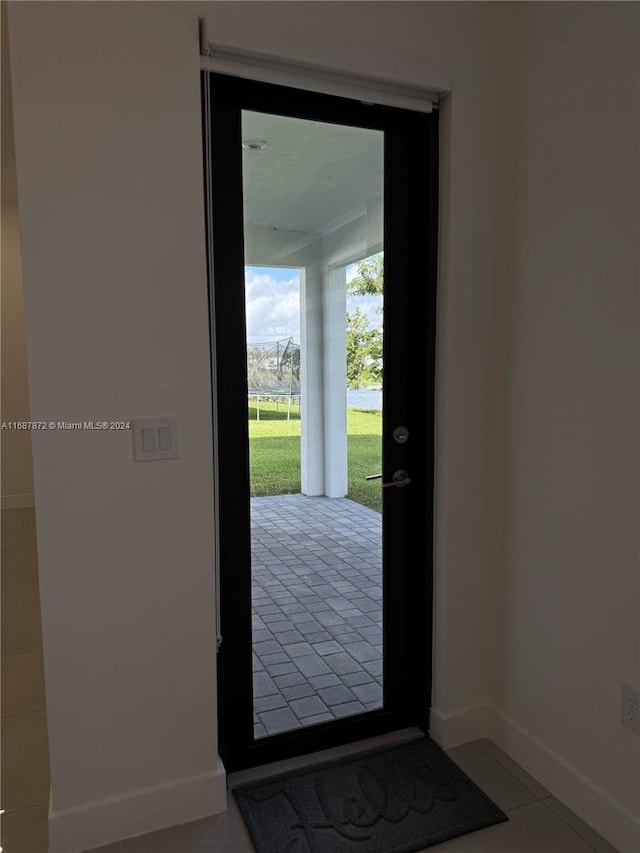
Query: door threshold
[(264, 771)]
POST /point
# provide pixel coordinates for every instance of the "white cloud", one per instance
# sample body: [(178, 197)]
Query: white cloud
[(273, 307)]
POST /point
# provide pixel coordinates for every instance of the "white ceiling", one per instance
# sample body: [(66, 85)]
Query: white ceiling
[(311, 172)]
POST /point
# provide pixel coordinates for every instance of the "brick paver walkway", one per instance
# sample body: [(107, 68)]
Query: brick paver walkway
[(317, 610)]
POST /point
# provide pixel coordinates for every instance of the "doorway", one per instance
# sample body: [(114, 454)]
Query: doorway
[(324, 508)]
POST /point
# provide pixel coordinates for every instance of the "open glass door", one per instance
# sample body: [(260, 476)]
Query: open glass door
[(324, 449)]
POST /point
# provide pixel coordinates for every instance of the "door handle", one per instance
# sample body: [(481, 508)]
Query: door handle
[(400, 478)]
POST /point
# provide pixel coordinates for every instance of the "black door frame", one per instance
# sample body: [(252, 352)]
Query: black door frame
[(410, 258)]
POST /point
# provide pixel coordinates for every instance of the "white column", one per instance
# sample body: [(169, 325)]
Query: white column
[(335, 381), (312, 376)]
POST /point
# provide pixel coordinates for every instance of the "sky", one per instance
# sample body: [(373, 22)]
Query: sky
[(273, 303)]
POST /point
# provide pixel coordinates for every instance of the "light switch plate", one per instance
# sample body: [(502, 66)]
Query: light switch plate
[(169, 427)]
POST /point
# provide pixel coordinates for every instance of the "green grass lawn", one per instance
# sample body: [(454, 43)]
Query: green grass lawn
[(274, 445)]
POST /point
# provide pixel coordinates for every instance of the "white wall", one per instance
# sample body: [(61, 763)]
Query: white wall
[(17, 469), (108, 143), (571, 595), (107, 119)]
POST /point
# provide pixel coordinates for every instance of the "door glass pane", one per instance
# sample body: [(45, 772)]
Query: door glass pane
[(313, 220)]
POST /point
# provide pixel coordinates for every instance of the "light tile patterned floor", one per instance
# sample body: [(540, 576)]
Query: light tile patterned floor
[(537, 823), (25, 752), (317, 610)]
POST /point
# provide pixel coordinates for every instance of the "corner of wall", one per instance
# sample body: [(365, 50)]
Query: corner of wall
[(100, 822)]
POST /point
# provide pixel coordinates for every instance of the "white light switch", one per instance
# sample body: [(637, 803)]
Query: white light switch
[(148, 439), (155, 438), (165, 439)]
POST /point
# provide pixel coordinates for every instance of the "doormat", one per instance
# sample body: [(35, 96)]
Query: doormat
[(398, 799)]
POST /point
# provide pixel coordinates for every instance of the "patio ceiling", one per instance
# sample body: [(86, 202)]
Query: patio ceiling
[(311, 173)]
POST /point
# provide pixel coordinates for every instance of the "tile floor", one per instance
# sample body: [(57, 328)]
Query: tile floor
[(317, 610), (25, 752), (538, 823)]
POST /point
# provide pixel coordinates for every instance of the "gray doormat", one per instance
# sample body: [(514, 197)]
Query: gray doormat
[(398, 799)]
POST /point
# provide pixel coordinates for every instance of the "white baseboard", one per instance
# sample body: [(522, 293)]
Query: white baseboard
[(456, 727), (17, 501), (591, 803), (106, 821), (611, 819)]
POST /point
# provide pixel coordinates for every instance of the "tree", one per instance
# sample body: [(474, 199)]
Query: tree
[(368, 280), (364, 342)]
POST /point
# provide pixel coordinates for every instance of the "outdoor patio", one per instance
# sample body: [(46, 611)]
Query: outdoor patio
[(317, 610)]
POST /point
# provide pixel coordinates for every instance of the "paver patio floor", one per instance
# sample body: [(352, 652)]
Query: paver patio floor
[(317, 610)]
